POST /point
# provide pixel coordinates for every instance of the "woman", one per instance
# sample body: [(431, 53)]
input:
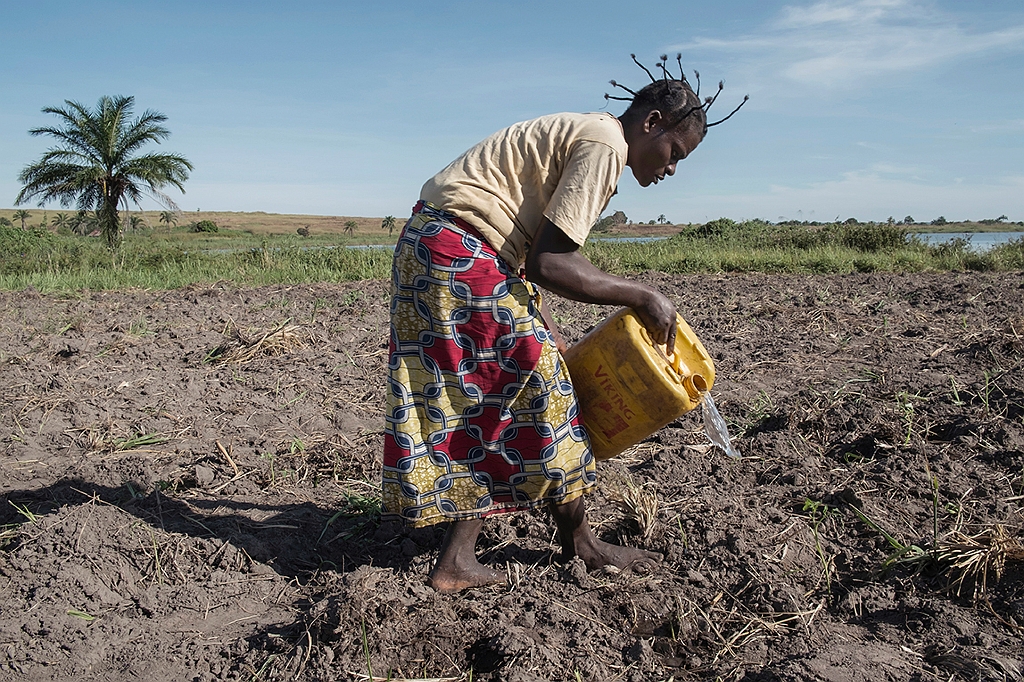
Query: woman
[(482, 418)]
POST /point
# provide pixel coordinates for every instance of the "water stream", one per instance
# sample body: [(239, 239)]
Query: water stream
[(714, 426)]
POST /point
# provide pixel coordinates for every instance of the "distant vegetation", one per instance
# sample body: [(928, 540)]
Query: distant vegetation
[(724, 245), (56, 259)]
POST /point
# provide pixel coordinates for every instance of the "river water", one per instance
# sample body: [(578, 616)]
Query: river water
[(979, 241)]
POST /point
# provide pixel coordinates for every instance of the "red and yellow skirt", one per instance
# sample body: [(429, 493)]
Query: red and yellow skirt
[(481, 413)]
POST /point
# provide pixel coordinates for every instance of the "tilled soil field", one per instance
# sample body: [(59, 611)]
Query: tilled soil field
[(190, 492)]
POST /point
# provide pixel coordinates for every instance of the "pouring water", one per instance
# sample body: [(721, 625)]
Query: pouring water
[(714, 426)]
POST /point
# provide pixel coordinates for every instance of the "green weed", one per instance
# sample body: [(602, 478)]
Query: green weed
[(367, 509), (81, 614), (24, 511), (819, 513), (140, 440), (270, 457), (366, 649)]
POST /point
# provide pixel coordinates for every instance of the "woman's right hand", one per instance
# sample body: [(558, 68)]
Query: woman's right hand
[(658, 314), (556, 263)]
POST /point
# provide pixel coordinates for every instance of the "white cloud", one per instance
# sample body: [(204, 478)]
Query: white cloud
[(845, 42), (837, 12)]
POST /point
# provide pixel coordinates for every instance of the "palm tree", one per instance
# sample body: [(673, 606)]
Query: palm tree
[(97, 165), (350, 227), (22, 215), (61, 221), (135, 223), (388, 224), (169, 218), (84, 222)]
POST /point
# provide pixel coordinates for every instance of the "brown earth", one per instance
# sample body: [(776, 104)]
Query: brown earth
[(172, 517)]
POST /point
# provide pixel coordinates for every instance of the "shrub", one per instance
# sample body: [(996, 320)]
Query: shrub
[(204, 226), (872, 237)]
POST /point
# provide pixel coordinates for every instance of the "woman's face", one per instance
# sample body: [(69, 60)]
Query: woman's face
[(654, 151)]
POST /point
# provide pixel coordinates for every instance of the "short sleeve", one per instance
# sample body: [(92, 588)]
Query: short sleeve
[(584, 189)]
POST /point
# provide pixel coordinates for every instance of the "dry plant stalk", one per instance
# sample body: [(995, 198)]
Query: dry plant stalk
[(243, 348), (639, 504), (975, 557)]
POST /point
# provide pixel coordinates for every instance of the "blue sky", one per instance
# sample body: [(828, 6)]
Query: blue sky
[(865, 108)]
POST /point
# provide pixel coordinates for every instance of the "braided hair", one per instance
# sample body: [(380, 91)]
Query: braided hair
[(674, 97)]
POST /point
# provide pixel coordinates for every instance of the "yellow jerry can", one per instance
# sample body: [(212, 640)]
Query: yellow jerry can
[(628, 387)]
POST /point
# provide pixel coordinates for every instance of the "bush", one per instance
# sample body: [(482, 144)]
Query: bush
[(872, 237), (204, 226)]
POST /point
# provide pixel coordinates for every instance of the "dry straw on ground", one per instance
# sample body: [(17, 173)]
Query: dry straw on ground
[(247, 346), (974, 558)]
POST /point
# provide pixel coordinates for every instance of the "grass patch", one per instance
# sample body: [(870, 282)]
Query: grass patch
[(175, 258)]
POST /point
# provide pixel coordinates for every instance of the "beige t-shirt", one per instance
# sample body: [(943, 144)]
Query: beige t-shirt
[(563, 167)]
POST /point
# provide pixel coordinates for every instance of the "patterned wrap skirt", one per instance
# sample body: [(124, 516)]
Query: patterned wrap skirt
[(481, 413)]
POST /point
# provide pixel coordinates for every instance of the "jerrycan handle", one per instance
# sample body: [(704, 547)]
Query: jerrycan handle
[(675, 360)]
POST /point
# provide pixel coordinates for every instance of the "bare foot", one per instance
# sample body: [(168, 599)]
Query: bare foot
[(457, 568), (598, 554), (578, 539), (449, 579)]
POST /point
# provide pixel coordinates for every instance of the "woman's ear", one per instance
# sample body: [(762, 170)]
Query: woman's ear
[(652, 119)]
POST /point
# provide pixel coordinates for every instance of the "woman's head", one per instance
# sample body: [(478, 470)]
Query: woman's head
[(664, 122), (677, 103)]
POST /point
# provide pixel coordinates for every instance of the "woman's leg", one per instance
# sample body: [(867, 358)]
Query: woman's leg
[(578, 539), (457, 567)]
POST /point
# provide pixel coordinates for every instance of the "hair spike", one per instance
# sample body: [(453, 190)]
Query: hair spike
[(679, 61), (696, 74), (616, 84), (711, 100), (649, 74), (745, 98), (621, 99)]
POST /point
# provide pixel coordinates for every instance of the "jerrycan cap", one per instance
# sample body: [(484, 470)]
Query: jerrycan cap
[(696, 385)]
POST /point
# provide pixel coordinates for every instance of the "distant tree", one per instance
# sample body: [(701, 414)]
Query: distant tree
[(61, 221), (608, 222), (84, 222), (891, 221), (908, 220), (941, 220), (851, 221), (22, 215), (388, 224), (1002, 218), (303, 231), (350, 227), (136, 223), (169, 218), (97, 164), (5, 222), (661, 219)]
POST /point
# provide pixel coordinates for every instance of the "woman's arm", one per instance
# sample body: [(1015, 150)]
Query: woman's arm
[(555, 263)]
